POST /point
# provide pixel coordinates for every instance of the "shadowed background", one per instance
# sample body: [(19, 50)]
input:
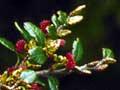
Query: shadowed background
[(100, 28)]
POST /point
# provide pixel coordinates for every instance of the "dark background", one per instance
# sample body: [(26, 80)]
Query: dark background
[(100, 28)]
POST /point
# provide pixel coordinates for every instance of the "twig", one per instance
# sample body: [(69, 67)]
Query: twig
[(47, 72), (87, 68), (4, 87), (95, 65)]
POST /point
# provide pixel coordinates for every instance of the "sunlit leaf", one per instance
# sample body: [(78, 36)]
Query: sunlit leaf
[(37, 55), (28, 76), (35, 32), (77, 50), (52, 31), (53, 83), (7, 44), (74, 19), (62, 17), (4, 77), (40, 80), (55, 21), (107, 53), (24, 33), (77, 10), (63, 32)]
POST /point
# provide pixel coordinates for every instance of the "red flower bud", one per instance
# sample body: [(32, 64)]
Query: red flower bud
[(70, 61), (44, 24), (20, 45), (10, 70), (36, 86), (62, 42)]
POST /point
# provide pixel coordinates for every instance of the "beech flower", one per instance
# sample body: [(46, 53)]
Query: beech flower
[(70, 61), (44, 24), (20, 45), (61, 42)]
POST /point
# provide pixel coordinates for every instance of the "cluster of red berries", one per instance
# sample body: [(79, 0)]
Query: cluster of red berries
[(70, 61), (43, 25), (20, 45)]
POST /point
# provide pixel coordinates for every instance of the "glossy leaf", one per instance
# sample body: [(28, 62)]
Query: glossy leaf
[(7, 44), (77, 10), (52, 32), (63, 32), (53, 83), (40, 80), (35, 32), (107, 53), (77, 50), (28, 76), (62, 17), (37, 55), (55, 21), (74, 19), (24, 33)]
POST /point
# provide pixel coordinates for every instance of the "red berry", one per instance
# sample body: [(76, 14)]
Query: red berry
[(44, 24), (62, 42), (70, 61), (20, 45), (36, 86), (10, 70)]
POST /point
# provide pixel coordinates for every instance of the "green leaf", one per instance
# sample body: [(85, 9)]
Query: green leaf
[(40, 80), (7, 44), (53, 83), (62, 17), (52, 31), (74, 19), (55, 21), (107, 53), (37, 55), (35, 32), (77, 50), (24, 33), (28, 76)]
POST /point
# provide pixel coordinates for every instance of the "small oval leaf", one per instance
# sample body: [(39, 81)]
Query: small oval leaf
[(74, 19), (53, 83), (28, 76), (37, 55), (7, 44), (107, 53), (55, 21), (62, 17), (52, 31), (77, 50), (35, 32), (24, 33)]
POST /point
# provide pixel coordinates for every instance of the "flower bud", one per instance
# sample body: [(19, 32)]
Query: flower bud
[(70, 61), (44, 24), (61, 42), (20, 45), (10, 70)]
